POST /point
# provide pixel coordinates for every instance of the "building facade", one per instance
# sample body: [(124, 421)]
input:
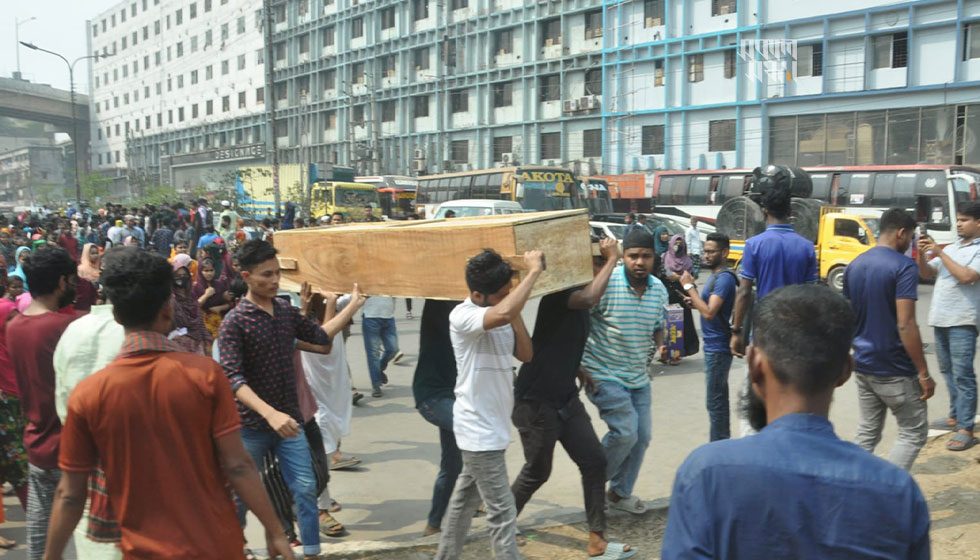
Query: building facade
[(181, 101), (33, 176), (603, 86)]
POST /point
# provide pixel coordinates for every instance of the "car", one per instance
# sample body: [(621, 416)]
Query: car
[(478, 207), (603, 230)]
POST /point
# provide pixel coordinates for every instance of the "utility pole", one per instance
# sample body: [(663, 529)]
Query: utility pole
[(375, 127), (349, 90), (17, 24), (270, 98)]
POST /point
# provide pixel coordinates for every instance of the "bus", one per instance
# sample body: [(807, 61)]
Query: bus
[(931, 192), (396, 193), (535, 187), (350, 199), (598, 196)]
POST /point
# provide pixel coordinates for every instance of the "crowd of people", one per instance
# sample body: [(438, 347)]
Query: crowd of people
[(155, 351)]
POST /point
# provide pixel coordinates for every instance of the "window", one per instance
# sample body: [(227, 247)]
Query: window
[(224, 32), (388, 110), (194, 44), (192, 10), (593, 81), (226, 103), (304, 44), (241, 100), (180, 81), (193, 111), (730, 64), (207, 5), (388, 17), (420, 106), (259, 57), (357, 73), (722, 7), (357, 27), (971, 41), (502, 145), (180, 49), (551, 32), (259, 96), (503, 94), (592, 142), (240, 25), (420, 9), (146, 32), (549, 87), (459, 4), (303, 9), (170, 117), (331, 120), (459, 100), (505, 41), (330, 80), (208, 72), (193, 77), (695, 68), (550, 145), (890, 51), (459, 151), (653, 13), (593, 24), (421, 58), (180, 114), (179, 16), (146, 123), (809, 60), (721, 135), (652, 139), (388, 66), (329, 36), (225, 68), (658, 73)]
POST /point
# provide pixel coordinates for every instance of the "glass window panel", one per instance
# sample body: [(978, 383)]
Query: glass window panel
[(812, 141), (840, 139), (782, 140), (903, 136), (938, 132), (869, 141)]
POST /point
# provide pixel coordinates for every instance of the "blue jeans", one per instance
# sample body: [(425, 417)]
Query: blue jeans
[(716, 368), (955, 350), (438, 411), (627, 413), (297, 470), (379, 333)]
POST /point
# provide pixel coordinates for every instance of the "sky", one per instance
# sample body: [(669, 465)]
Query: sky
[(59, 27)]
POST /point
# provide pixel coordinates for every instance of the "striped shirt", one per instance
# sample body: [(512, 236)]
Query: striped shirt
[(622, 330)]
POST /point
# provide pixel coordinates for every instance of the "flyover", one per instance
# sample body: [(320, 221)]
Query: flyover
[(42, 103)]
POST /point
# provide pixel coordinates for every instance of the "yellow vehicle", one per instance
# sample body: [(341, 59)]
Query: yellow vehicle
[(841, 237), (351, 199)]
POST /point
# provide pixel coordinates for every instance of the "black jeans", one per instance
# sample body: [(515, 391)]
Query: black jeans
[(541, 426)]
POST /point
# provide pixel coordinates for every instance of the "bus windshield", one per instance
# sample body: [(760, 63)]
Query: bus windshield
[(545, 189), (347, 196)]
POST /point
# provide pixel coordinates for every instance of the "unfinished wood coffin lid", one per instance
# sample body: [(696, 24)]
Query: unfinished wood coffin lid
[(427, 259)]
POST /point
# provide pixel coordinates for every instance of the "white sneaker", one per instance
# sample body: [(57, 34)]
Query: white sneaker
[(397, 357)]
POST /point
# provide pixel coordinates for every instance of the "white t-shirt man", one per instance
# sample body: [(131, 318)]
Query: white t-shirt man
[(484, 382)]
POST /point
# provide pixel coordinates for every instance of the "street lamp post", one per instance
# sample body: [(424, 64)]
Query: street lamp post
[(17, 24), (74, 117)]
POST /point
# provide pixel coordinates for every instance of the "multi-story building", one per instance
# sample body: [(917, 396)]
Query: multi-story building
[(33, 175), (181, 101), (622, 85)]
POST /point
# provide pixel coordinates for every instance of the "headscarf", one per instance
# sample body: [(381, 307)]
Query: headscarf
[(660, 247), (19, 270), (677, 262), (88, 268), (187, 315)]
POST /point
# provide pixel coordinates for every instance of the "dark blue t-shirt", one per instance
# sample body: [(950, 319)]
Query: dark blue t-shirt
[(778, 257), (717, 332), (872, 283)]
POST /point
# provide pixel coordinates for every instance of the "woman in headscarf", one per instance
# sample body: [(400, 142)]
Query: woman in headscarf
[(19, 257), (675, 262), (661, 239), (89, 271), (211, 293), (187, 313)]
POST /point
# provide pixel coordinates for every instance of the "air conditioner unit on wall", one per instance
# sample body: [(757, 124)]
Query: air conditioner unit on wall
[(507, 158), (570, 105), (419, 165), (418, 154)]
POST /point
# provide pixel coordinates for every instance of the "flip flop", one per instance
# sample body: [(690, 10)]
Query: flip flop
[(6, 543), (633, 505), (961, 442), (345, 463), (615, 551), (330, 527)]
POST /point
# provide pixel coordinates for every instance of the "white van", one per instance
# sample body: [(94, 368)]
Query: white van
[(477, 207)]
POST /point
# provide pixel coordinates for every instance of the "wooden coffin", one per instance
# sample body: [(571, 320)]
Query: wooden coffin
[(427, 259)]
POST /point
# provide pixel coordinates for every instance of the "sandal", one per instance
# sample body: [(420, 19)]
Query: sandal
[(7, 543), (329, 526), (615, 551), (961, 442), (344, 463), (633, 505)]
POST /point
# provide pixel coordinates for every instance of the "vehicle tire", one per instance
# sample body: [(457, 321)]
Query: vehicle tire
[(805, 217), (835, 279), (740, 218)]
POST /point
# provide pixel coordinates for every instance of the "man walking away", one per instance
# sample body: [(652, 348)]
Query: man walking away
[(548, 409), (795, 490), (486, 330), (158, 420), (890, 368), (954, 316), (694, 246), (630, 314), (432, 386), (256, 345), (715, 304), (31, 338), (380, 339)]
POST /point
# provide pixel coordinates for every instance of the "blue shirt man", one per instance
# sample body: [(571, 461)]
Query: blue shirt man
[(795, 490), (778, 257)]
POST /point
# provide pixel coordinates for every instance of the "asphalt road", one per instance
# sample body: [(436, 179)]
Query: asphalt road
[(388, 496)]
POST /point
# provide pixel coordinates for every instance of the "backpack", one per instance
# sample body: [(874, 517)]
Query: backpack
[(710, 286)]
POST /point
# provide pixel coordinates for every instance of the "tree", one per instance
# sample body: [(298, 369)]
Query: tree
[(95, 188)]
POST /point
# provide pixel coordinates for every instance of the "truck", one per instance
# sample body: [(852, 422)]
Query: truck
[(841, 237), (332, 189)]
